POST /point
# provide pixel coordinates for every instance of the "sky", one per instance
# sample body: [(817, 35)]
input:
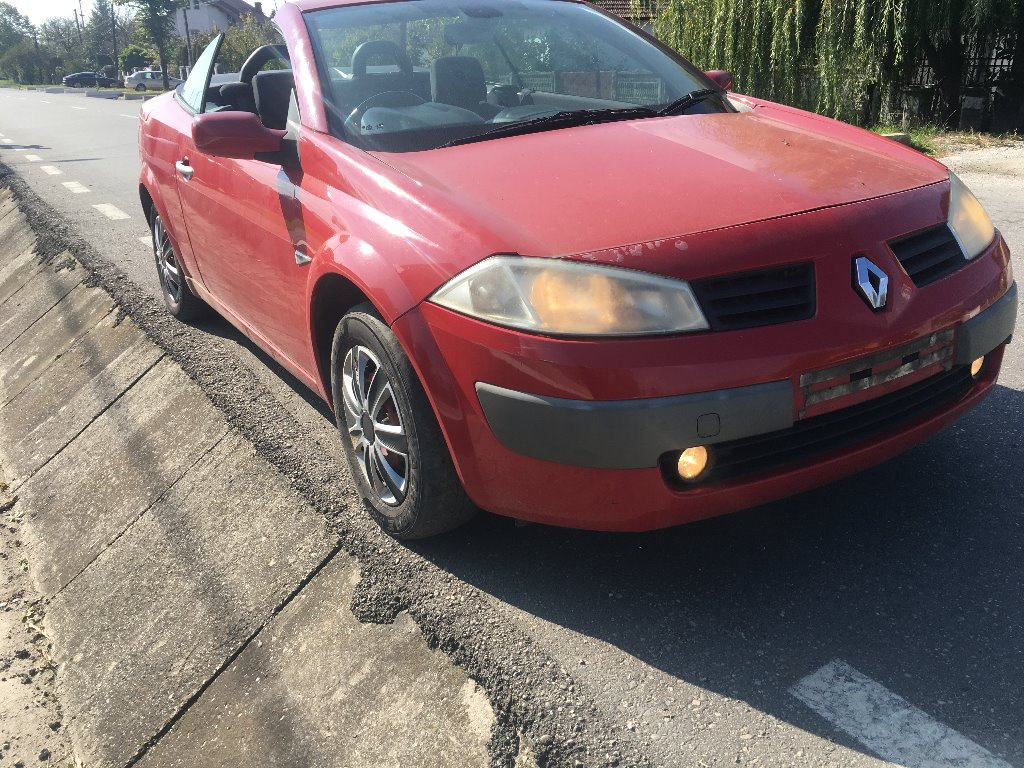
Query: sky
[(40, 10)]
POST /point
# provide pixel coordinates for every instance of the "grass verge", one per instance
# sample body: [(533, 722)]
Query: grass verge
[(938, 142)]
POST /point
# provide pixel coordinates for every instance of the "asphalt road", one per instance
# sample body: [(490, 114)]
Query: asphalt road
[(880, 616)]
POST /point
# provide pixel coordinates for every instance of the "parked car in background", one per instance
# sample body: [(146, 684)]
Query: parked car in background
[(90, 80), (540, 264), (149, 80)]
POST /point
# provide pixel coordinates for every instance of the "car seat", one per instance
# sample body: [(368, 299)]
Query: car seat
[(272, 91), (459, 81)]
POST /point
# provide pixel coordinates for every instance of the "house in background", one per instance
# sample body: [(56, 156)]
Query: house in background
[(204, 15)]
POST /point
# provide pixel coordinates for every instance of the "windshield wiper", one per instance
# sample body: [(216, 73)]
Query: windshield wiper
[(565, 119), (569, 119), (684, 102)]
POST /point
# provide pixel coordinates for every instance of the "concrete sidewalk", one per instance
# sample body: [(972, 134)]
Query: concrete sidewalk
[(198, 607)]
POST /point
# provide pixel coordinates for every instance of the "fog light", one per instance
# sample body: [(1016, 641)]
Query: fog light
[(976, 366), (693, 462)]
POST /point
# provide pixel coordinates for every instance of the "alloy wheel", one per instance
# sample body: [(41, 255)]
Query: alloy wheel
[(167, 262), (375, 425)]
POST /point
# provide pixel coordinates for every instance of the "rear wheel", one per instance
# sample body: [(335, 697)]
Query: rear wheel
[(140, 87), (395, 448), (178, 297)]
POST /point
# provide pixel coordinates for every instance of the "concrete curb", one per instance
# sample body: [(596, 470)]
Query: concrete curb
[(188, 584), (901, 138), (95, 94)]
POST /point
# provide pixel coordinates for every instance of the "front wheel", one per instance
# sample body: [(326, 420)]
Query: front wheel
[(392, 440), (140, 87), (178, 297)]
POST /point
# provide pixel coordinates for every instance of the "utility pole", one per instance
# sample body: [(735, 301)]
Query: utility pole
[(78, 24), (113, 37), (188, 40)]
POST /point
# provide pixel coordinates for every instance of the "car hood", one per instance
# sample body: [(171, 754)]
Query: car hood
[(579, 190)]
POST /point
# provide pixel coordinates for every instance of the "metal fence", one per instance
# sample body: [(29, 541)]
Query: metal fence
[(988, 100)]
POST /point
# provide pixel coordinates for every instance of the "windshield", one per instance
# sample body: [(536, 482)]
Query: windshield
[(420, 74)]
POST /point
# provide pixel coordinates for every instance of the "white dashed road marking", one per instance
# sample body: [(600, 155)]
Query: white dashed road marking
[(82, 108), (45, 101), (74, 186), (130, 117), (34, 158), (111, 211), (146, 242), (887, 724), (51, 170), (7, 141)]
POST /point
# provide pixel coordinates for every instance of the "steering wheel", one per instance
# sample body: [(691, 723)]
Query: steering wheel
[(354, 121), (362, 54), (259, 57)]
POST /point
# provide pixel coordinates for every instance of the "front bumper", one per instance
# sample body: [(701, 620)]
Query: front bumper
[(633, 434)]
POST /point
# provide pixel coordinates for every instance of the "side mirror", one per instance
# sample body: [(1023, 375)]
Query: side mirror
[(240, 135), (721, 78)]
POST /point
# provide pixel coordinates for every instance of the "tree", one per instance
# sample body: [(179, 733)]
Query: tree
[(156, 21), (98, 35), (242, 39), (25, 62), (851, 59), (14, 28), (60, 36), (135, 56)]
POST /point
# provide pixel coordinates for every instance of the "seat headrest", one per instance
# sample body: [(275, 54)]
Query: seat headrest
[(457, 80), (385, 48), (273, 91), (239, 96)]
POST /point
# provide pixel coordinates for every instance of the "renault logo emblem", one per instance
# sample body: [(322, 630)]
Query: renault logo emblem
[(871, 282)]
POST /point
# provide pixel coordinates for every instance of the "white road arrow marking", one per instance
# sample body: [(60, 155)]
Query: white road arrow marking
[(887, 724)]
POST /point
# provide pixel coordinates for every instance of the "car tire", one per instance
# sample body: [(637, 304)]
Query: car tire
[(412, 495), (140, 87), (180, 301)]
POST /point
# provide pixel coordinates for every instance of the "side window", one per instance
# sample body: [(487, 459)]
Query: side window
[(192, 92)]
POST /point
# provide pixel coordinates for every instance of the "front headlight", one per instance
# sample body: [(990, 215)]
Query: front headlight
[(567, 298), (968, 220)]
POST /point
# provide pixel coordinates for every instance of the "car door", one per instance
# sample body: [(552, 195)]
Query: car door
[(247, 236)]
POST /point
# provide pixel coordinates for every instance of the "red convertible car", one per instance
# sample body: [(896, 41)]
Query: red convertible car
[(541, 265)]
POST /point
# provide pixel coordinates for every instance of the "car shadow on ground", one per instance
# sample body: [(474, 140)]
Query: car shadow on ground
[(219, 328), (911, 572), (22, 147)]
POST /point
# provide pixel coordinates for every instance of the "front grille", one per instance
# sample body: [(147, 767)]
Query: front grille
[(754, 299), (929, 255), (828, 432)]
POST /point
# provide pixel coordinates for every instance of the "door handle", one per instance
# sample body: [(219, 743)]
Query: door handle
[(184, 169)]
